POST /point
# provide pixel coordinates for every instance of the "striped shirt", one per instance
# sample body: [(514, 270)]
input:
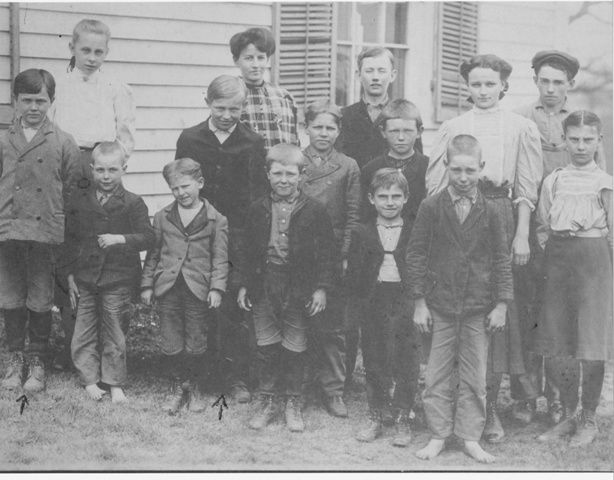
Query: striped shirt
[(571, 203), (271, 112)]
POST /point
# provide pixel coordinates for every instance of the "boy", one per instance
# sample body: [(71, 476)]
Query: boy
[(377, 279), (400, 125), (106, 229), (231, 157), (286, 273), (334, 179), (555, 73), (360, 137), (93, 108), (269, 110), (459, 269), (39, 166), (187, 270)]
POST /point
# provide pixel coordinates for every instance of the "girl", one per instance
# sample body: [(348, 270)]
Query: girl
[(334, 179), (575, 226), (511, 149), (93, 109)]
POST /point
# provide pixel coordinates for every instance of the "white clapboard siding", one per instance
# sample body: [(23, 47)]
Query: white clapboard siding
[(516, 32), (167, 52), (5, 68)]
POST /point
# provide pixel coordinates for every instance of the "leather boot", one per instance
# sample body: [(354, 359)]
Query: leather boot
[(524, 411), (196, 401), (586, 430), (567, 426), (36, 375), (266, 410), (294, 416), (14, 372), (493, 430), (373, 428), (402, 437), (178, 398)]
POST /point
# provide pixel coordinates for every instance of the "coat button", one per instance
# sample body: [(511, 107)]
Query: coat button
[(17, 187), (40, 160), (38, 218), (39, 189)]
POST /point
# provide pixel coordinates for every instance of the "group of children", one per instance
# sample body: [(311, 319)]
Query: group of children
[(303, 248)]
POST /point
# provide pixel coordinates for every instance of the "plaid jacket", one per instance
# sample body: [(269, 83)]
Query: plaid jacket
[(271, 112)]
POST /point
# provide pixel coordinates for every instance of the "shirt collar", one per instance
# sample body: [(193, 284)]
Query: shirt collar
[(78, 74), (456, 197), (277, 199), (587, 168), (400, 162), (215, 129), (25, 127), (398, 224), (379, 105), (100, 194), (311, 153)]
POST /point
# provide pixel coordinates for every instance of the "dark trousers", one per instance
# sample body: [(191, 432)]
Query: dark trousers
[(327, 345), (568, 380), (390, 348), (99, 342), (19, 321), (237, 343), (279, 370)]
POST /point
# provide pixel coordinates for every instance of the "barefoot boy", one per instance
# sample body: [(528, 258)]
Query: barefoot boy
[(459, 269), (106, 230), (286, 268)]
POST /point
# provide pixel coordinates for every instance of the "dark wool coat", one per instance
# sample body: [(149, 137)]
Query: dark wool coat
[(124, 213), (366, 256), (311, 248), (460, 269), (360, 138), (234, 171)]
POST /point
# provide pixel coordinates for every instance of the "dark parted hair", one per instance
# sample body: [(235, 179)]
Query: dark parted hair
[(32, 81), (386, 178), (225, 86), (182, 166), (322, 105), (464, 144), (262, 38), (488, 61), (400, 108), (582, 117)]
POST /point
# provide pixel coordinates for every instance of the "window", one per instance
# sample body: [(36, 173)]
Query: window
[(305, 50), (368, 24), (457, 40)]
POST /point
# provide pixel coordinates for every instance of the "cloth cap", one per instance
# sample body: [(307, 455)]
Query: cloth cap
[(571, 63)]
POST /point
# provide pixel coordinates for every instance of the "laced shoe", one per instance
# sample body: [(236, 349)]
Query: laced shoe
[(36, 375), (493, 430), (14, 373), (524, 412), (567, 426), (178, 399), (373, 428), (294, 416), (266, 410), (336, 406), (586, 430), (402, 436)]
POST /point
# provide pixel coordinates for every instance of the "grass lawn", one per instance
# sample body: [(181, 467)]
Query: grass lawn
[(62, 429)]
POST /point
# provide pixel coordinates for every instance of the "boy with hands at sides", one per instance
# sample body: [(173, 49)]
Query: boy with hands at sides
[(186, 271), (459, 269), (105, 231), (286, 268)]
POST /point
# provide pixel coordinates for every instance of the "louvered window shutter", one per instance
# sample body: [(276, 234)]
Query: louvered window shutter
[(306, 51), (457, 41)]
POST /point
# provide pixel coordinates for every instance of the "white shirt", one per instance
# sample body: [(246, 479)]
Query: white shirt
[(389, 236), (94, 109), (188, 214), (222, 135)]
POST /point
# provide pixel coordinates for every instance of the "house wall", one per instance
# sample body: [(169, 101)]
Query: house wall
[(168, 53), (5, 66)]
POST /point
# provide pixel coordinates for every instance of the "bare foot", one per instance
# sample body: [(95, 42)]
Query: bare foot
[(117, 395), (474, 450), (433, 448), (94, 392)]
